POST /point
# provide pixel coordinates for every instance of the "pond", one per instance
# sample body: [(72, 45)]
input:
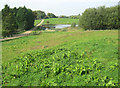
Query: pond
[(49, 26), (62, 25)]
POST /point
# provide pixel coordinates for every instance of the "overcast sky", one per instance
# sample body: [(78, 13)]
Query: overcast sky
[(59, 7)]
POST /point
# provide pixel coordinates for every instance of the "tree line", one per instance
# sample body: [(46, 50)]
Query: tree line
[(16, 20), (100, 18), (42, 15)]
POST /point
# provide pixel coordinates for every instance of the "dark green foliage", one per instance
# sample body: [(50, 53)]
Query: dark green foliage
[(9, 24), (40, 14), (41, 28), (30, 19), (73, 25), (25, 18), (12, 19), (35, 14), (100, 18), (63, 16), (51, 15), (75, 16)]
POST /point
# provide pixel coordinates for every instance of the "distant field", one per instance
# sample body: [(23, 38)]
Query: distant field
[(37, 22), (61, 21), (66, 58)]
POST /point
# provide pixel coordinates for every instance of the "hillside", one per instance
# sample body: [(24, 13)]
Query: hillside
[(62, 59)]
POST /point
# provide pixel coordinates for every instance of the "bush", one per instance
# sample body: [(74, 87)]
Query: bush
[(100, 18), (73, 25)]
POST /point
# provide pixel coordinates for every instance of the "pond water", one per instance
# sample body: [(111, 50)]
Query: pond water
[(57, 26), (62, 25)]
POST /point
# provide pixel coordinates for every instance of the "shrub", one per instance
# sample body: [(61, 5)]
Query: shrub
[(73, 25), (100, 18)]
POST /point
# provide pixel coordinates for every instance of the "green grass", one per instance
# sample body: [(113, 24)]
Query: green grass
[(21, 45), (0, 28), (37, 22), (71, 58), (61, 21)]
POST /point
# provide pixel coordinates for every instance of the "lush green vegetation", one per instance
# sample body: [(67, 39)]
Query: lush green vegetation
[(72, 16), (61, 57), (51, 15), (61, 21), (9, 24), (83, 59), (28, 43), (16, 20), (75, 16), (73, 25), (100, 18), (25, 18), (40, 14)]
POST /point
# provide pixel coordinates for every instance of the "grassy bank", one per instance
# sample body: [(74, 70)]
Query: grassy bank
[(61, 21), (71, 58), (48, 39)]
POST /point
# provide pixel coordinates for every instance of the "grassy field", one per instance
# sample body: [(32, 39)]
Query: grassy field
[(37, 22), (0, 27), (29, 43), (61, 21), (64, 58)]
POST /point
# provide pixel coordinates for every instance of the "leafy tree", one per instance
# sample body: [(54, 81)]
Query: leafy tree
[(51, 15), (13, 18), (75, 16), (63, 16), (21, 18), (25, 18), (35, 14), (100, 18), (73, 25), (30, 19), (9, 25), (40, 14)]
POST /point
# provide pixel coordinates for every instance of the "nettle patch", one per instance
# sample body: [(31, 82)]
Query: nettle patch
[(59, 67)]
